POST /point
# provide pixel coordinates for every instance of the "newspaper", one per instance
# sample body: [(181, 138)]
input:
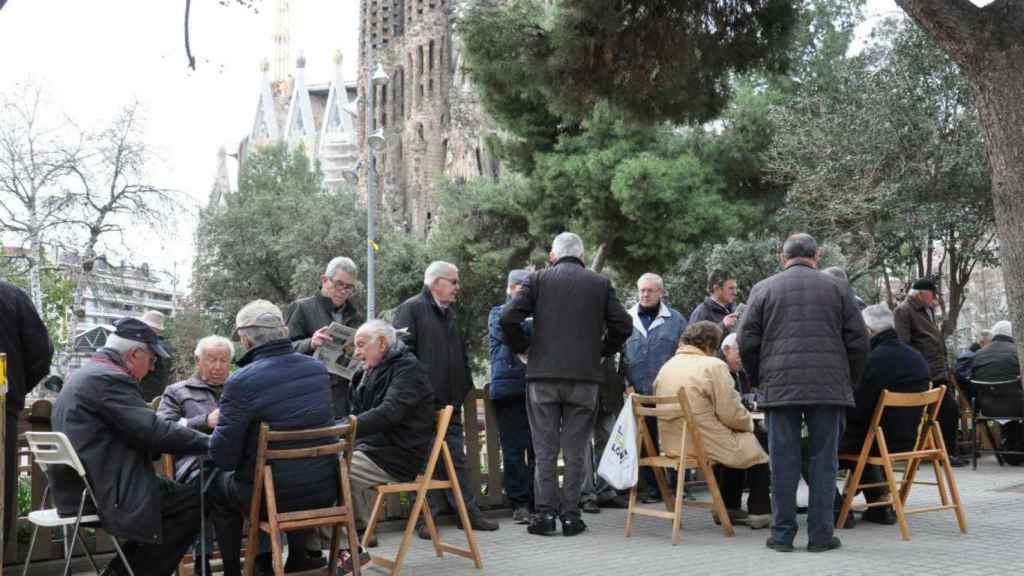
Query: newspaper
[(338, 355)]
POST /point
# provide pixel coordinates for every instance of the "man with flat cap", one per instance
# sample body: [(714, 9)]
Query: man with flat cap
[(277, 386), (918, 328), (116, 434)]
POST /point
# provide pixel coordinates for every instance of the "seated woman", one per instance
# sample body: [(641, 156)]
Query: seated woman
[(727, 428)]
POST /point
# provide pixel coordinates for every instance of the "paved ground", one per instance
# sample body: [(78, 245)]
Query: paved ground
[(993, 496)]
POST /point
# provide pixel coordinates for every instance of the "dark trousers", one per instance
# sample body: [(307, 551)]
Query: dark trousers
[(179, 525), (10, 468), (824, 427), (561, 418), (339, 396), (871, 475), (516, 449), (456, 441), (732, 481), (949, 417), (229, 501), (647, 483)]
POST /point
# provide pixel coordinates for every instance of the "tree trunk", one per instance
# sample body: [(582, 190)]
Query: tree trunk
[(988, 45), (35, 263), (597, 264)]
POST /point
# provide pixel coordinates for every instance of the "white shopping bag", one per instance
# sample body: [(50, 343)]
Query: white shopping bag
[(619, 462)]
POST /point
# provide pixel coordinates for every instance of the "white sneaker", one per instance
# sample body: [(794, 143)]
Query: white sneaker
[(758, 521)]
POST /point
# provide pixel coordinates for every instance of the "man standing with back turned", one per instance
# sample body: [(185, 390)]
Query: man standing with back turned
[(803, 342), (576, 321)]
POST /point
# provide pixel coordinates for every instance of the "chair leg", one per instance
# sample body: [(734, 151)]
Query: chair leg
[(435, 538), (88, 554), (124, 559), (716, 495), (371, 524), (677, 512), (629, 511), (249, 566), (897, 503), (31, 546), (961, 518), (850, 492), (974, 437), (410, 528), (467, 527)]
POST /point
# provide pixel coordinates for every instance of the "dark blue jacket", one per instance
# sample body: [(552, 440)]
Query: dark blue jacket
[(288, 391), (508, 373), (648, 350), (893, 366)]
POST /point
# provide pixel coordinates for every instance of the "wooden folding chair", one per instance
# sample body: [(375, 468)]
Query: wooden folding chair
[(672, 407), (340, 446), (421, 485), (929, 447)]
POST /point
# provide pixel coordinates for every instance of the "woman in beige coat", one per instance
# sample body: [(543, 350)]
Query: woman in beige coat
[(726, 427)]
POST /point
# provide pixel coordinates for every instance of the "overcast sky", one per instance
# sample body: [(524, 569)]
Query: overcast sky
[(94, 57)]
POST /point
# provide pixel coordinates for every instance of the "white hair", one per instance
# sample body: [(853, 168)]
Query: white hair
[(212, 341), (567, 244), (341, 263), (262, 334), (123, 346), (437, 269), (729, 341), (653, 278), (878, 318), (379, 329)]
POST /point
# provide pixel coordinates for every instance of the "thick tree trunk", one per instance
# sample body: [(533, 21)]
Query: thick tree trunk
[(988, 44), (597, 264)]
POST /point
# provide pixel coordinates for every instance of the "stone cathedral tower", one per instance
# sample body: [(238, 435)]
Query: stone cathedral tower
[(431, 116)]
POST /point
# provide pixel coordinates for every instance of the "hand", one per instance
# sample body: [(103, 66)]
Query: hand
[(212, 418), (630, 391), (523, 357), (320, 337), (730, 320)]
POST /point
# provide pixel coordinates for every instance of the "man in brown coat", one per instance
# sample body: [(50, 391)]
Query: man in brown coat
[(916, 326)]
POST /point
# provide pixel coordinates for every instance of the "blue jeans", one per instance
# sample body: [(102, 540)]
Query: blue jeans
[(824, 428)]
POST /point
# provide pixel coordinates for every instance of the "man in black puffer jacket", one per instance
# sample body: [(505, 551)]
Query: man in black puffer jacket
[(803, 341), (393, 404), (288, 391)]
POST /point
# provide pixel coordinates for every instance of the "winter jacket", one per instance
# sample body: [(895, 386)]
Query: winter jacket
[(117, 436), (577, 320), (156, 381), (894, 366), (435, 339), (648, 350), (307, 315), (288, 391), (802, 339), (24, 339), (964, 363), (916, 326), (508, 373), (394, 408), (726, 427), (188, 403), (712, 312), (997, 362)]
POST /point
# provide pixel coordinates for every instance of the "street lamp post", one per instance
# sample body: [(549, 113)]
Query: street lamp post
[(375, 142)]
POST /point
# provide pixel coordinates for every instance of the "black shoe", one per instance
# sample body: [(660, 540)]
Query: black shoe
[(881, 515), (619, 501), (778, 546), (304, 562), (830, 545), (957, 462), (590, 507), (542, 524), (650, 498), (480, 523), (345, 566), (422, 532), (197, 566), (851, 521), (572, 525)]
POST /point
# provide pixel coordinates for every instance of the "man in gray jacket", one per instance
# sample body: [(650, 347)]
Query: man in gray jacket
[(803, 342)]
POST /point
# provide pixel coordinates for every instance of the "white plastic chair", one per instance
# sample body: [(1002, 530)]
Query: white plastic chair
[(54, 449)]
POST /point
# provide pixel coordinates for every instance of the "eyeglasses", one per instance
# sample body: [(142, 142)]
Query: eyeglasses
[(343, 286)]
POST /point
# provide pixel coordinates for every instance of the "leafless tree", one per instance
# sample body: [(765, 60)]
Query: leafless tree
[(38, 157)]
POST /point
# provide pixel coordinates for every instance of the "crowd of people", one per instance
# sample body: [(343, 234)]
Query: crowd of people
[(804, 352)]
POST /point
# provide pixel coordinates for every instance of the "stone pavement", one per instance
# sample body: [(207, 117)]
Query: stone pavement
[(993, 497)]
